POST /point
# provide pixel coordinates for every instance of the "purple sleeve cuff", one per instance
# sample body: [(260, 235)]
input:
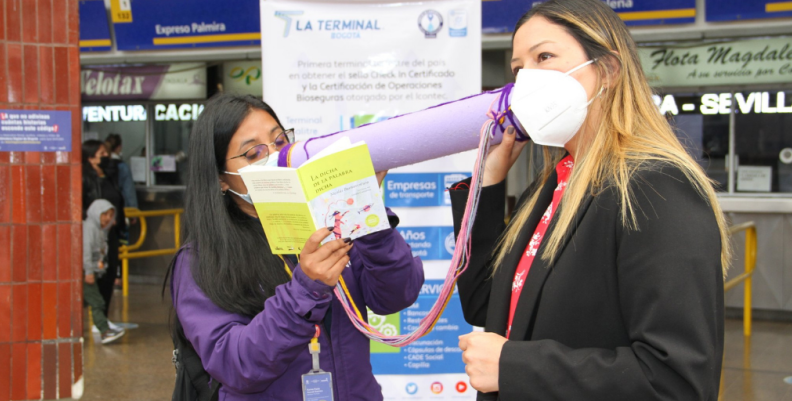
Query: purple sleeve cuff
[(315, 289), (313, 297)]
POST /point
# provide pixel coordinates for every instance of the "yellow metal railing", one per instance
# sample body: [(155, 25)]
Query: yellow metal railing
[(125, 252), (750, 265)]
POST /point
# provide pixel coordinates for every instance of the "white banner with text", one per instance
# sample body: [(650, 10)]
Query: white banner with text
[(329, 67)]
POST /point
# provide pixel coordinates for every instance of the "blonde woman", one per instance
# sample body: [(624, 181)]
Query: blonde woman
[(607, 284)]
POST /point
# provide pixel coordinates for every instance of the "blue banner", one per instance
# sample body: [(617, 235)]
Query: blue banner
[(419, 189), (189, 23), (500, 16), (94, 28), (430, 243), (735, 10), (436, 353), (35, 131)]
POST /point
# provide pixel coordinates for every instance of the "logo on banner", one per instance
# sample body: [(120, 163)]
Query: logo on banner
[(430, 22), (411, 388), (437, 387), (450, 243), (457, 24), (286, 16)]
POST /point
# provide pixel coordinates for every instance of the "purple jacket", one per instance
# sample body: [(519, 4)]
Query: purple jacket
[(263, 358)]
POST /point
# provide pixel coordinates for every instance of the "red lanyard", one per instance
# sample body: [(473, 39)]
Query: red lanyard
[(563, 170)]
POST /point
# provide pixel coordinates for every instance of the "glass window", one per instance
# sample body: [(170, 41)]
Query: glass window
[(763, 141), (705, 135), (129, 121), (172, 125), (762, 136)]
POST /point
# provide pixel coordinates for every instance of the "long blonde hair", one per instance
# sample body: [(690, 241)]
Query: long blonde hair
[(631, 133)]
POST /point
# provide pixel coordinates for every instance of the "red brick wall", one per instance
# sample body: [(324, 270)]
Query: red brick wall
[(40, 207)]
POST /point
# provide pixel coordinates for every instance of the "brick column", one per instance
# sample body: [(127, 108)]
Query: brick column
[(40, 207)]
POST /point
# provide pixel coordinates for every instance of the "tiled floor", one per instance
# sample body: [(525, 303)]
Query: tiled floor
[(138, 366)]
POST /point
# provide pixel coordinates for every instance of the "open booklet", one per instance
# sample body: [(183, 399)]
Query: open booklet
[(335, 188)]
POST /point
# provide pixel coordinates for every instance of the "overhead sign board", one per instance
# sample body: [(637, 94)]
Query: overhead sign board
[(755, 61), (167, 81), (153, 25), (500, 16), (735, 10), (94, 29)]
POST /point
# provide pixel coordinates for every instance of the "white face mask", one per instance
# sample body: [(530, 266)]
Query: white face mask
[(272, 161), (550, 105)]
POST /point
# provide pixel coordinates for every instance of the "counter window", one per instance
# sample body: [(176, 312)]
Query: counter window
[(129, 121), (762, 136), (172, 125)]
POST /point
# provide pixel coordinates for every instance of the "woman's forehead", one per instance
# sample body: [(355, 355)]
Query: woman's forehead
[(539, 30)]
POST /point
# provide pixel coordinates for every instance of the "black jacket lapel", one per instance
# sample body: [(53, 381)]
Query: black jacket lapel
[(500, 297), (540, 270)]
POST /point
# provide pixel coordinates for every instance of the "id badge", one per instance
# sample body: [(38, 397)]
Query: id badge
[(317, 386)]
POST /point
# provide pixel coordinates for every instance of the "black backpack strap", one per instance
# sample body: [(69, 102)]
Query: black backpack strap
[(191, 363)]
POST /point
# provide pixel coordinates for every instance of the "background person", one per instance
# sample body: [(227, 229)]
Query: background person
[(247, 313), (125, 182), (608, 282), (99, 179), (100, 219)]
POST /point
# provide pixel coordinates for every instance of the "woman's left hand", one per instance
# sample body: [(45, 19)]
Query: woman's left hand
[(481, 355)]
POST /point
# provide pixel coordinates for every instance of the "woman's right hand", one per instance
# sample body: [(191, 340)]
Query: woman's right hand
[(501, 157), (326, 262)]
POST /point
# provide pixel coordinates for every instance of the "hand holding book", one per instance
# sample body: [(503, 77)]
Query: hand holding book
[(324, 263)]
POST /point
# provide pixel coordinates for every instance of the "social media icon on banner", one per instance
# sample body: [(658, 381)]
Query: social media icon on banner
[(411, 388), (461, 387), (437, 387)]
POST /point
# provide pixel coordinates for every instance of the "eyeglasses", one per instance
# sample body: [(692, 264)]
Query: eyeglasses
[(260, 152)]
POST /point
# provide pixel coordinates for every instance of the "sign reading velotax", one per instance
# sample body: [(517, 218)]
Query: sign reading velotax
[(35, 131)]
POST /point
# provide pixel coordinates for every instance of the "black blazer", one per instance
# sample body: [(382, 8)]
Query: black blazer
[(622, 314)]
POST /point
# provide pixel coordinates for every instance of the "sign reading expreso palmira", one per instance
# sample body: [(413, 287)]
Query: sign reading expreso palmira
[(758, 61)]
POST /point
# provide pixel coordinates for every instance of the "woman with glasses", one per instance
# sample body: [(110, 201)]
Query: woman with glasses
[(249, 314)]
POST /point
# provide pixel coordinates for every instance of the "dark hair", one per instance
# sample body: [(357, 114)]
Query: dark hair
[(113, 141), (230, 257), (89, 149), (560, 12)]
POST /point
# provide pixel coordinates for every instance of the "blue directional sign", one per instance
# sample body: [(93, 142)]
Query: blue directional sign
[(735, 10), (94, 28), (154, 24), (500, 16)]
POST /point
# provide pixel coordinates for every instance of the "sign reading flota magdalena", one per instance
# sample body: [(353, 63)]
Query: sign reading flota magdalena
[(757, 61)]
